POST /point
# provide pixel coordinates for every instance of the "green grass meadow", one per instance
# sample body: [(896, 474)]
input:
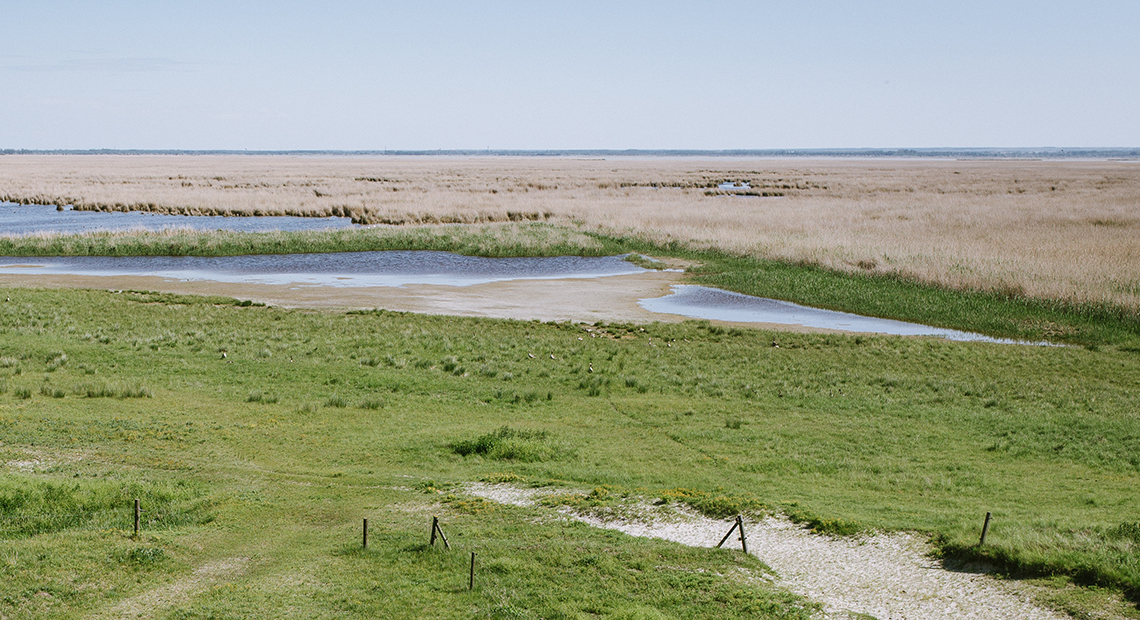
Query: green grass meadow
[(263, 461), (258, 438)]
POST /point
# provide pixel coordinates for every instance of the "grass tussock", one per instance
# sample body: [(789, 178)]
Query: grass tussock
[(106, 390), (257, 396), (508, 444)]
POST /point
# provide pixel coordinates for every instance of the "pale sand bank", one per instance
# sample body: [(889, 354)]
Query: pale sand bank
[(611, 298)]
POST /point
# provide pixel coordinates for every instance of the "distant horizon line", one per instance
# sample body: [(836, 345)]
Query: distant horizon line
[(937, 152)]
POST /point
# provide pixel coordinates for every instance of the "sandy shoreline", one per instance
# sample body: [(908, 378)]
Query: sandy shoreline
[(587, 300)]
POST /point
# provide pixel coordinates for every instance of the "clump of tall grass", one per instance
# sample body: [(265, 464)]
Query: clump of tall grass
[(337, 401), (508, 444), (22, 393), (104, 390), (632, 382), (257, 396), (501, 478), (52, 392), (372, 404), (514, 397), (136, 391), (56, 361), (145, 556), (716, 505), (594, 385)]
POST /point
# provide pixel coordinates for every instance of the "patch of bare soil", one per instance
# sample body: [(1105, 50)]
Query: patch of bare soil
[(884, 576)]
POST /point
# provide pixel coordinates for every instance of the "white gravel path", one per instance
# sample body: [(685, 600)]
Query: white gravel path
[(886, 576)]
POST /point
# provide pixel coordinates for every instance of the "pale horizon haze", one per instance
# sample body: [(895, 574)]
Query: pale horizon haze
[(583, 75)]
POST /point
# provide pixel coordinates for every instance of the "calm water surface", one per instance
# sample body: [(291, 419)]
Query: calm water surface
[(32, 219), (714, 304), (389, 268), (400, 268)]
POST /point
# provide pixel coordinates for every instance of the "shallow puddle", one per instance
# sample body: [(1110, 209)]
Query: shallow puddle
[(701, 302), (18, 219)]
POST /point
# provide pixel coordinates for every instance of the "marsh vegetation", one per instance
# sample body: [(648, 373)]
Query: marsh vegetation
[(1060, 230)]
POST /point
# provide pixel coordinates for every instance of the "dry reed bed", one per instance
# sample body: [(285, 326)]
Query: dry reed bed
[(1049, 229)]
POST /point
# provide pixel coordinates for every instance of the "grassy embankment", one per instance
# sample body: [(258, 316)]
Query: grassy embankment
[(260, 464)]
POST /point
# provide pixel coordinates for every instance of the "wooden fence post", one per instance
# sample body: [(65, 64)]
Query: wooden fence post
[(138, 513), (364, 539), (736, 525), (985, 528), (436, 529), (730, 531), (471, 579)]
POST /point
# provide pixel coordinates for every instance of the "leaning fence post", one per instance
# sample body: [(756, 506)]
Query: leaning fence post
[(436, 529), (442, 536), (364, 538), (985, 528), (730, 531), (740, 524), (138, 513)]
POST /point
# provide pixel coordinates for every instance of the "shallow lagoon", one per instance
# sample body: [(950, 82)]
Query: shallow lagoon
[(18, 219), (402, 268), (345, 269)]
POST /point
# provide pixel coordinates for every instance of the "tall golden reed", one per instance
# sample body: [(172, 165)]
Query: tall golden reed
[(1048, 229)]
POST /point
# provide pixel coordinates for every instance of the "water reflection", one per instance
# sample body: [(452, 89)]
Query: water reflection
[(342, 269), (400, 268), (701, 302), (35, 219)]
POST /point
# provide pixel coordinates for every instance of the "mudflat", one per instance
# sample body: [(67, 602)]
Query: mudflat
[(585, 300)]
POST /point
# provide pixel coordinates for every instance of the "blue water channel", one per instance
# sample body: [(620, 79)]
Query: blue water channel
[(18, 219), (344, 269)]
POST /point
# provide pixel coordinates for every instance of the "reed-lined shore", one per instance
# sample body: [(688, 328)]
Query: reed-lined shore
[(1058, 230)]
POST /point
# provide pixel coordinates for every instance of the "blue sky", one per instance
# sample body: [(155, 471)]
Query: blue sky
[(531, 75)]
